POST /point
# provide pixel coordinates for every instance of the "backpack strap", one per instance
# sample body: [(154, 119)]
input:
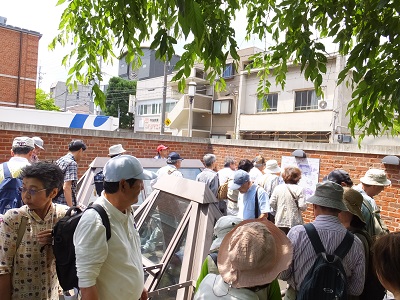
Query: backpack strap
[(314, 238), (214, 256), (6, 170), (345, 245), (256, 206), (104, 217)]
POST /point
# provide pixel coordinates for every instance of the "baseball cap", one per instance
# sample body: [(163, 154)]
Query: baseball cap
[(173, 156), (125, 167), (161, 147), (76, 145), (23, 141), (38, 142), (239, 179), (339, 176)]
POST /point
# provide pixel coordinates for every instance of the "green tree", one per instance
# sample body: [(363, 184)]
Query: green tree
[(44, 101), (367, 31), (117, 100)]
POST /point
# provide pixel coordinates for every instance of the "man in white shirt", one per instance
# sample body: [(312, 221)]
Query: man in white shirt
[(258, 169), (174, 162), (112, 270)]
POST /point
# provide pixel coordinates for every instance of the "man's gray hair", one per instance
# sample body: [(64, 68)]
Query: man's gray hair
[(209, 159), (228, 161)]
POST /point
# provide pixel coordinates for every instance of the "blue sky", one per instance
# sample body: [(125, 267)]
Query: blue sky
[(43, 16)]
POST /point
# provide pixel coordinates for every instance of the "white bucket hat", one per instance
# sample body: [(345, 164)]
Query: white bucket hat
[(115, 150), (272, 166), (375, 177)]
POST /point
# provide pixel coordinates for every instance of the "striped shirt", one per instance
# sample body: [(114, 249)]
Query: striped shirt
[(331, 233)]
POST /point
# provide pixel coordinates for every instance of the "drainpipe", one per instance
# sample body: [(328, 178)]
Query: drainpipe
[(19, 68)]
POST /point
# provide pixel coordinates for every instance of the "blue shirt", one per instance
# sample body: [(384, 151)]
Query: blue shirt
[(246, 202)]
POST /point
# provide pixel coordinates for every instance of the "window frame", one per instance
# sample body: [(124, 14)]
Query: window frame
[(308, 101), (272, 108), (220, 101)]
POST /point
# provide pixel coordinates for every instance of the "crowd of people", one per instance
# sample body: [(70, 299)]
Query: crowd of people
[(260, 239)]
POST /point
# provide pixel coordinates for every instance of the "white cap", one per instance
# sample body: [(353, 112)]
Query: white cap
[(23, 141), (38, 142)]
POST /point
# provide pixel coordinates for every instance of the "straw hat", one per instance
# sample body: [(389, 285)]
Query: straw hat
[(353, 201), (253, 254), (375, 177), (328, 194)]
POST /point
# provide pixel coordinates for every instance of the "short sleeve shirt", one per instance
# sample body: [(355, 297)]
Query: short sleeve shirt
[(246, 202), (69, 167), (33, 275)]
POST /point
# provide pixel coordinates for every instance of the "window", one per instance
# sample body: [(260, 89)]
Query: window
[(222, 107), (306, 100), (229, 71), (170, 106), (272, 100), (150, 109)]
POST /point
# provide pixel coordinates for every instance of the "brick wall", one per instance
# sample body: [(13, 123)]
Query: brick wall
[(142, 145), (18, 53)]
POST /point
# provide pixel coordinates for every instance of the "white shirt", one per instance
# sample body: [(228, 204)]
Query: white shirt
[(114, 266), (166, 170), (225, 174), (15, 165), (254, 174)]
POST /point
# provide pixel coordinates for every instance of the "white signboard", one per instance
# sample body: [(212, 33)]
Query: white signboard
[(309, 172)]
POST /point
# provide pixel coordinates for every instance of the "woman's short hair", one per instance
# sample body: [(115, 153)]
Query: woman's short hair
[(291, 175), (386, 259), (48, 173)]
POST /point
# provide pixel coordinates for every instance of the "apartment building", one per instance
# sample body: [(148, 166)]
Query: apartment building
[(18, 65), (79, 100)]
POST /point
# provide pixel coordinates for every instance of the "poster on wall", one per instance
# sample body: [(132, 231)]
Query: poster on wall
[(309, 172)]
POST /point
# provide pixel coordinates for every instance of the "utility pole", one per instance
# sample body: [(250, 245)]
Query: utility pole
[(164, 100), (66, 97)]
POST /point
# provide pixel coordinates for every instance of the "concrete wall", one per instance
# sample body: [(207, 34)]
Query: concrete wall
[(18, 66), (347, 156)]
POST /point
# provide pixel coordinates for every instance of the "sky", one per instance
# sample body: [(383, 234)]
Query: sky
[(43, 16)]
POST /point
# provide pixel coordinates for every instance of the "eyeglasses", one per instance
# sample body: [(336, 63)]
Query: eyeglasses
[(31, 192)]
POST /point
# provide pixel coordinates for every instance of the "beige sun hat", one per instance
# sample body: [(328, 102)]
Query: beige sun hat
[(353, 201), (253, 254), (375, 177)]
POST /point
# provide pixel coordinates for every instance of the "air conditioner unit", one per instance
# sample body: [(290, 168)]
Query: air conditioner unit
[(322, 104), (343, 138)]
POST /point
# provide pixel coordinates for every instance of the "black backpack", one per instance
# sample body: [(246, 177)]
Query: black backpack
[(10, 193), (63, 245), (327, 278)]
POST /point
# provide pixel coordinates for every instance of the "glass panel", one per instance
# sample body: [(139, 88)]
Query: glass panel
[(306, 100), (172, 272), (225, 107), (188, 173), (216, 107), (160, 225)]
